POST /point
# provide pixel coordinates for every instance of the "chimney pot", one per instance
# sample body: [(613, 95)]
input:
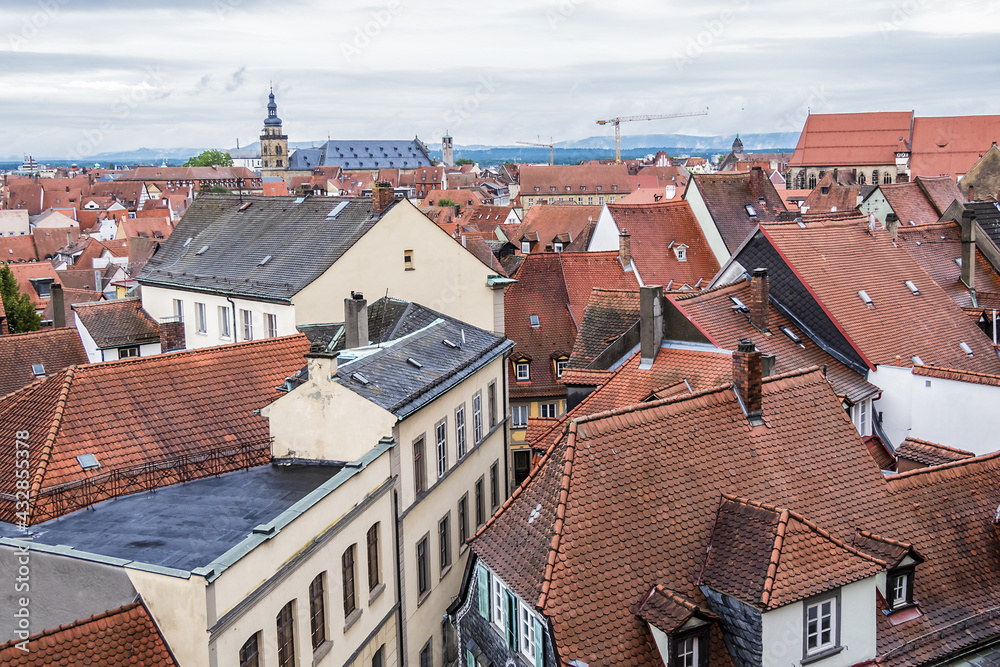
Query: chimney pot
[(625, 248), (650, 323), (969, 249), (747, 380), (760, 298), (356, 321)]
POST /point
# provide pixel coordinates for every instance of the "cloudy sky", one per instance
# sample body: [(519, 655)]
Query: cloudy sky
[(82, 77)]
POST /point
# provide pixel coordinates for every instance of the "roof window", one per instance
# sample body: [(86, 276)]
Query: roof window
[(358, 377), (187, 242), (267, 258), (751, 211), (917, 360), (791, 334), (337, 210), (910, 285), (867, 299), (413, 362), (739, 306), (965, 348), (37, 369), (88, 461), (202, 250), (533, 319)]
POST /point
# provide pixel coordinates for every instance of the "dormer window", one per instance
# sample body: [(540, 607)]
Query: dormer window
[(680, 251), (523, 371), (899, 588)]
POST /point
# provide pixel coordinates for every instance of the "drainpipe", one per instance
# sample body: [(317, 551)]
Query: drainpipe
[(233, 303), (994, 326)]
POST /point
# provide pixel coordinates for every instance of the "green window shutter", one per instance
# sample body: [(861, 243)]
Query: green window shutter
[(510, 621), (470, 660), (483, 578), (539, 645)]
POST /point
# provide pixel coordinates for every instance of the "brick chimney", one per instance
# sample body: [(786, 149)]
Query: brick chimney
[(172, 335), (650, 323), (760, 298), (382, 197), (625, 248), (356, 321), (58, 306), (969, 249), (747, 380)]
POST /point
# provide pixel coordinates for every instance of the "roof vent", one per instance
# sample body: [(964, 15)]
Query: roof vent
[(791, 334), (88, 461), (534, 320), (187, 242), (965, 348), (912, 287), (739, 306), (38, 369), (244, 206), (448, 343), (413, 362), (358, 377), (202, 250), (867, 299)]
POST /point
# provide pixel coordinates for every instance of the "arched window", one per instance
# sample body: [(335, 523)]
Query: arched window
[(887, 178), (279, 163), (861, 179), (812, 181), (800, 180), (263, 150), (874, 176), (277, 150)]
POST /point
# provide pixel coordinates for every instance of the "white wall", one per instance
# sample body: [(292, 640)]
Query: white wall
[(697, 203), (14, 223), (158, 302), (784, 629), (606, 233)]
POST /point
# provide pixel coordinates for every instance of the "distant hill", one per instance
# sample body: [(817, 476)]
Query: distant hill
[(751, 142)]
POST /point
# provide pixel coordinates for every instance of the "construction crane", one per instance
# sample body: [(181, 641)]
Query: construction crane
[(552, 152), (627, 119)]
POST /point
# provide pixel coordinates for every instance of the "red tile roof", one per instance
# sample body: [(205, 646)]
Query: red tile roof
[(836, 198), (656, 230), (585, 271), (582, 180), (54, 349), (147, 410), (462, 198), (25, 272), (48, 241), (930, 453), (18, 249), (727, 196), (118, 322), (957, 375), (910, 203), (608, 315), (951, 145), (851, 139), (545, 224), (124, 637), (839, 259)]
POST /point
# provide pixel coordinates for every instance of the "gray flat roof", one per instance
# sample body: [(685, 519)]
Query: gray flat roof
[(184, 526)]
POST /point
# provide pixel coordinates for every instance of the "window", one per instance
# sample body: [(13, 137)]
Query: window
[(317, 611), (491, 393), (549, 410), (250, 652), (200, 318), (495, 485), (561, 365), (347, 569), (531, 201), (444, 542), (441, 447), (821, 621), (374, 575), (419, 479), (408, 260), (526, 630), (900, 588), (557, 246), (522, 466), (499, 597), (611, 199), (271, 321), (179, 310), (600, 200), (863, 409), (423, 580), (379, 657), (687, 652), (590, 201), (519, 416), (887, 178), (225, 323), (463, 520), (477, 418), (425, 655), (130, 351), (286, 636), (812, 181), (247, 317), (460, 430), (526, 246), (534, 321), (480, 507)]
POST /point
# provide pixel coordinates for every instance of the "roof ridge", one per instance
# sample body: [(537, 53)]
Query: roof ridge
[(938, 445), (943, 467), (190, 352), (77, 623), (775, 559), (50, 437), (557, 526), (687, 296), (874, 536), (614, 412), (44, 332), (942, 369)]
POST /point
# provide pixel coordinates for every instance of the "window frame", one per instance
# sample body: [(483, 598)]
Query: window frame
[(349, 579), (246, 320), (200, 317), (461, 431), (561, 365), (821, 650), (419, 466), (179, 309), (423, 578), (444, 544), (285, 640), (271, 325), (907, 572), (463, 521), (317, 610), (551, 408), (477, 417), (526, 631), (371, 550), (441, 447), (225, 325), (491, 401), (128, 352), (247, 659), (516, 414), (480, 501), (495, 485), (526, 367), (699, 638), (498, 597)]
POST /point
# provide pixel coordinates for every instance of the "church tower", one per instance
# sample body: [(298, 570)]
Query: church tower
[(737, 145), (273, 144), (447, 154)]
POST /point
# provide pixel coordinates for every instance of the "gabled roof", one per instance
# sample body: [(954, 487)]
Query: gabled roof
[(147, 410), (829, 196), (911, 204), (984, 176), (769, 557), (951, 145), (930, 453), (727, 197), (941, 191), (54, 349), (565, 223), (582, 180), (123, 637), (667, 610), (227, 245), (851, 139), (585, 271), (608, 315), (655, 229), (118, 322)]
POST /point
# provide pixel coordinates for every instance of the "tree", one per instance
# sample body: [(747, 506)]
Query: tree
[(445, 202), (463, 160), (21, 315), (209, 158)]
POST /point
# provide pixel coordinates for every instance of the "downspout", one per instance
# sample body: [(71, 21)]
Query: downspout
[(506, 428), (233, 303), (994, 326), (400, 652)]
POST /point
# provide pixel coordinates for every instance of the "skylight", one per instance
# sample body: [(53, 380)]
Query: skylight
[(267, 258), (358, 377), (534, 320), (740, 307), (965, 348), (911, 286), (187, 242), (867, 299), (88, 461), (791, 334), (202, 250), (751, 211), (917, 360), (38, 369), (337, 210), (413, 362)]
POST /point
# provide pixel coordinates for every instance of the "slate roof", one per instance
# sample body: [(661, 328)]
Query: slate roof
[(301, 241), (654, 230), (727, 195), (362, 154), (54, 349), (118, 322), (608, 315), (147, 410), (387, 377), (988, 217), (930, 453), (712, 311), (837, 260), (851, 139), (769, 557), (123, 637)]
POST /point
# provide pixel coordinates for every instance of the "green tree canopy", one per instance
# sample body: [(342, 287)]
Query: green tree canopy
[(445, 202), (463, 160), (210, 157), (21, 315)]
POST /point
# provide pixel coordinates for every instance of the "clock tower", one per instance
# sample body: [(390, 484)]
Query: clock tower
[(273, 144)]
